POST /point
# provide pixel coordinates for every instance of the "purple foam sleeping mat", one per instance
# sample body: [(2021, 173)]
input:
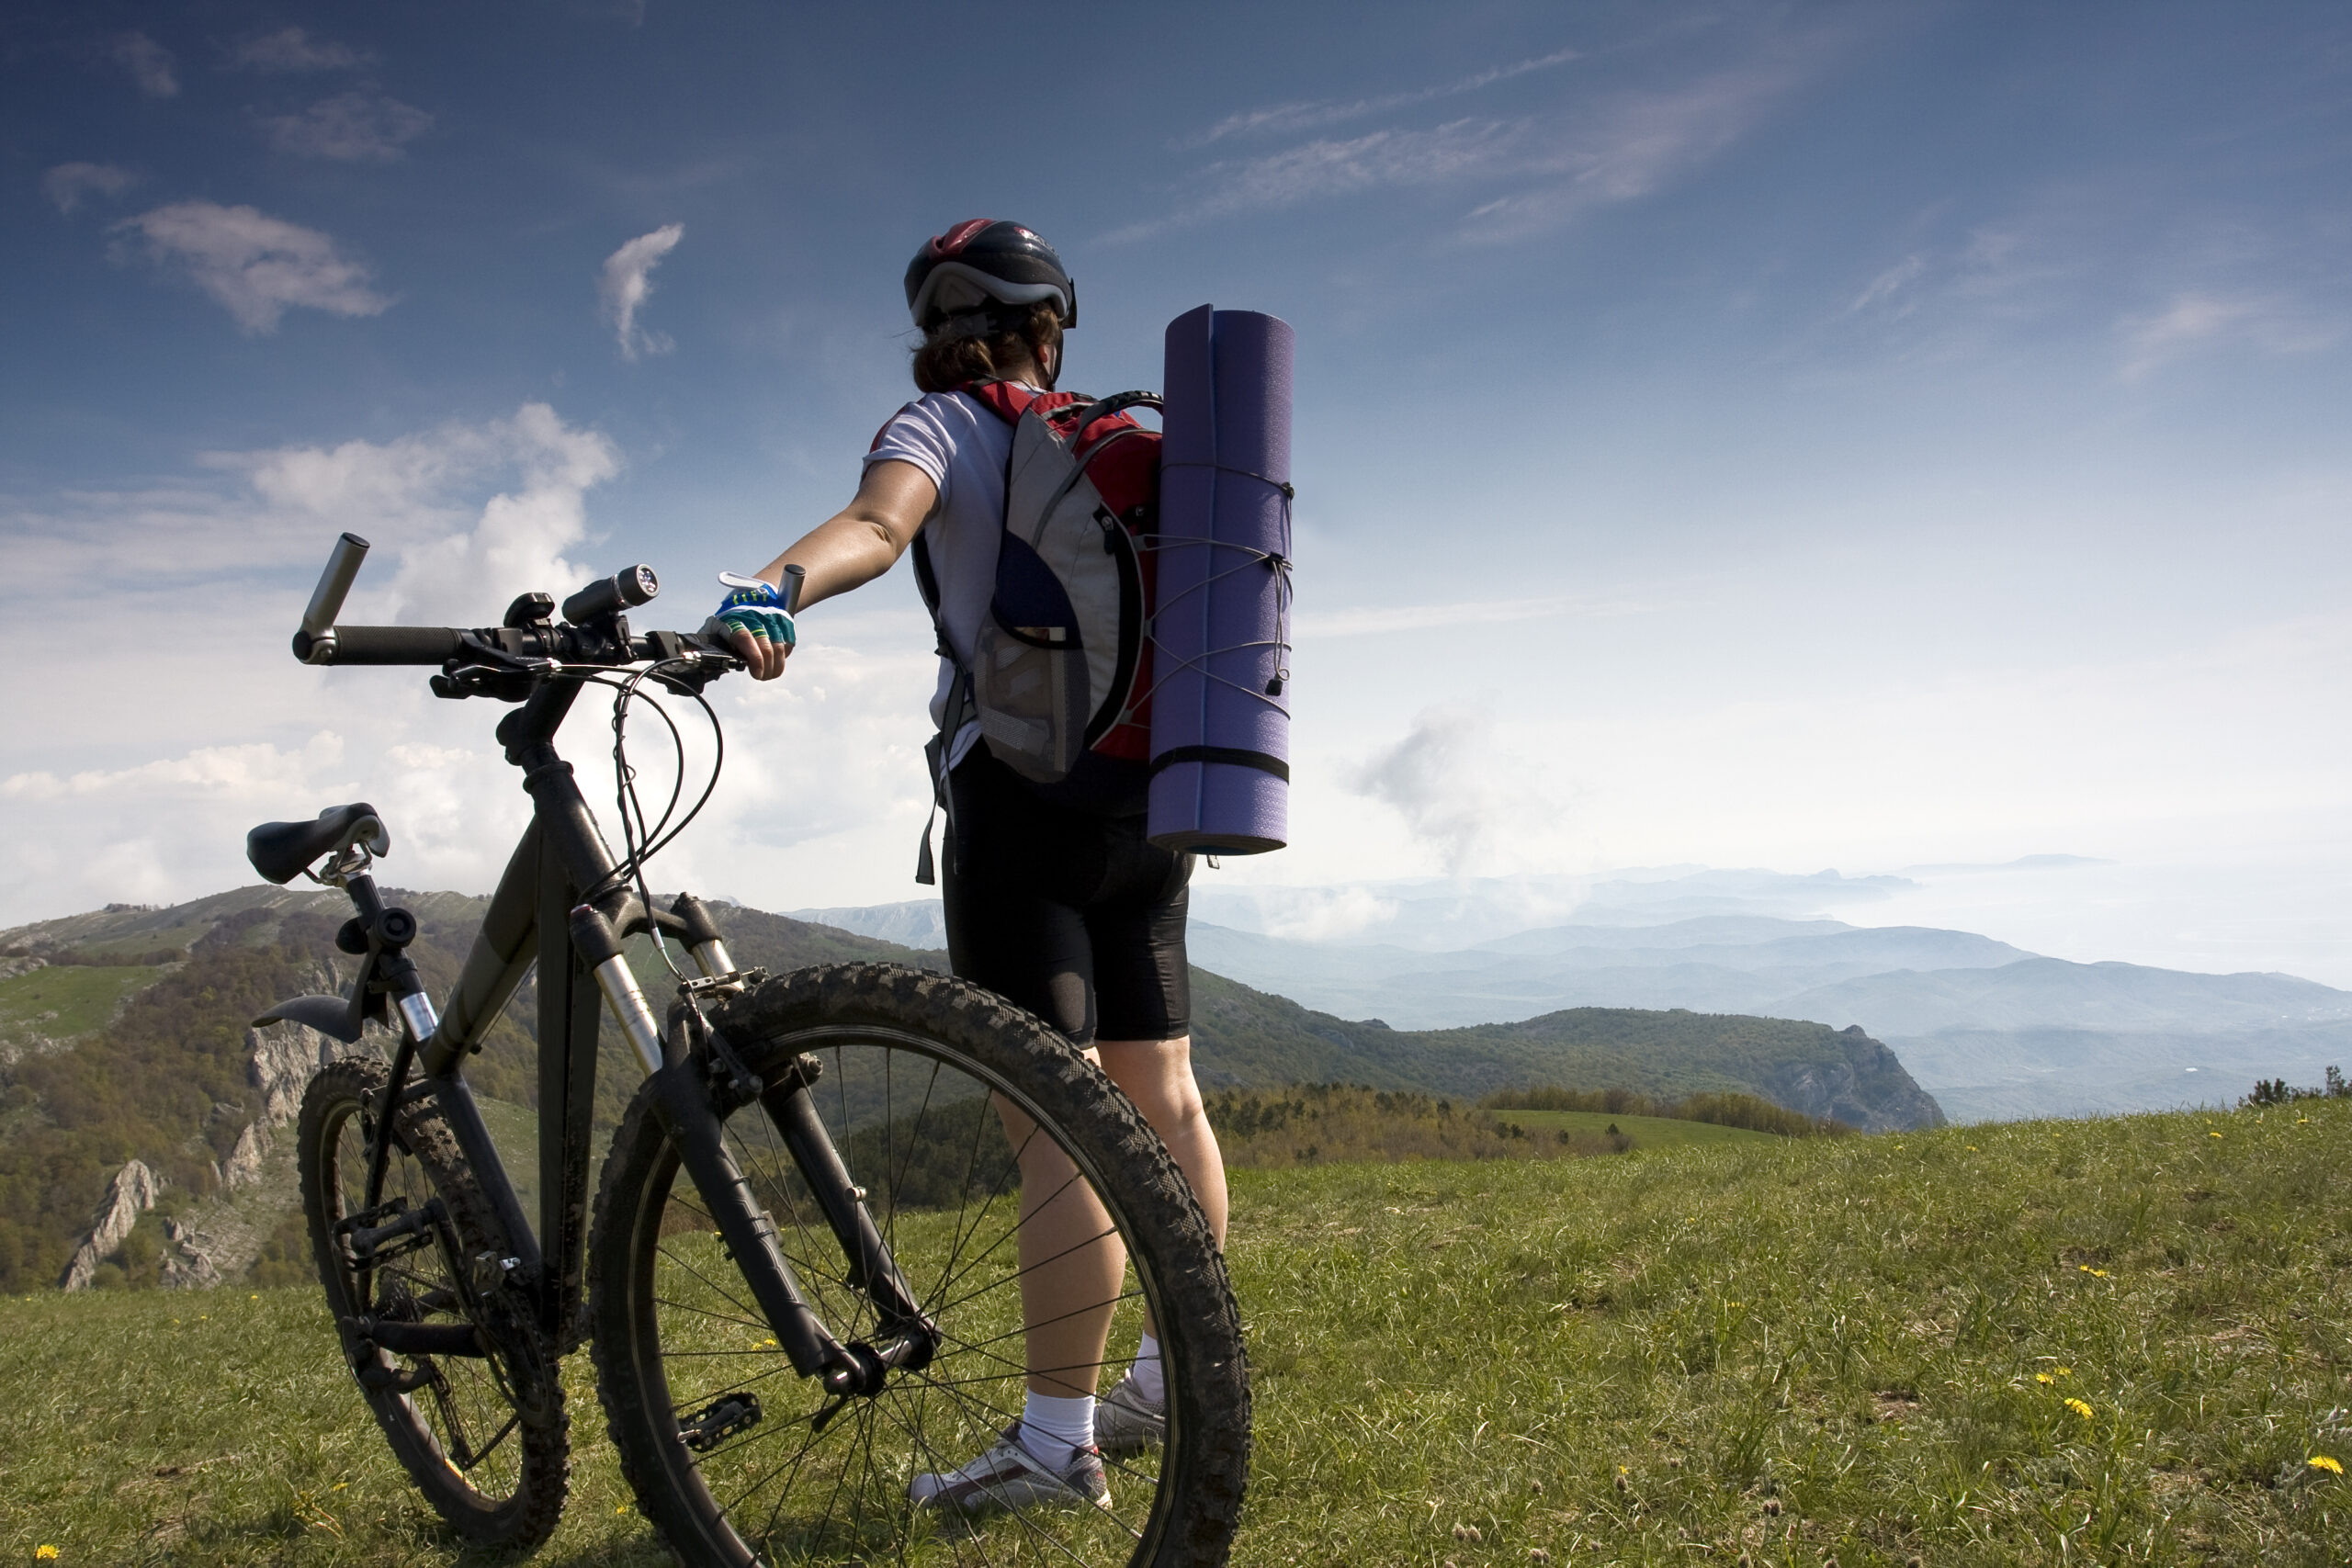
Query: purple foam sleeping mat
[(1220, 710)]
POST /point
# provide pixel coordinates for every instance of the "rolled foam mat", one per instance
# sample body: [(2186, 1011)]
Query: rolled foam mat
[(1220, 712)]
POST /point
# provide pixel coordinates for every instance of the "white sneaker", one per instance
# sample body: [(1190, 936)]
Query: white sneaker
[(1125, 1422), (1009, 1476)]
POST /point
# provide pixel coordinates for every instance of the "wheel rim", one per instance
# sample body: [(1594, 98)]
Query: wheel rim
[(463, 1423), (915, 1124)]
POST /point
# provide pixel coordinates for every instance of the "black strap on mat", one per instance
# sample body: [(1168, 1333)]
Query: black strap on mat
[(1234, 755)]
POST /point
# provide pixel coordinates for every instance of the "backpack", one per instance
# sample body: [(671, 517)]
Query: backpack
[(1061, 677)]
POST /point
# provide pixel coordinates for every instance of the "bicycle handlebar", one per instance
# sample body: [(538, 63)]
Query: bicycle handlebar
[(437, 646), (489, 659), (389, 645)]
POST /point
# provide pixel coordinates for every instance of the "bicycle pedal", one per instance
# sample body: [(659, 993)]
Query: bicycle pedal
[(714, 1424)]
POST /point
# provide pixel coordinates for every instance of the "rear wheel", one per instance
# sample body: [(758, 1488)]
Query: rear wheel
[(739, 1460), (462, 1388)]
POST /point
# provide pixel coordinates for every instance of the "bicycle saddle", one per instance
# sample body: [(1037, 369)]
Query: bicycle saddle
[(280, 850)]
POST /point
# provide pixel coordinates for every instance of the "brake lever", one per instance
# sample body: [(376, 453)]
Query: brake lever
[(485, 669)]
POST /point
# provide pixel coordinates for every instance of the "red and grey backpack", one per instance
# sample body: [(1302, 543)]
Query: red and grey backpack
[(1061, 677)]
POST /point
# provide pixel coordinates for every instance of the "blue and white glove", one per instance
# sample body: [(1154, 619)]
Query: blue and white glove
[(756, 607)]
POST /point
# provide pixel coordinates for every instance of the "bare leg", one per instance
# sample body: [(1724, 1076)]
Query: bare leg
[(1157, 1076), (1072, 1264)]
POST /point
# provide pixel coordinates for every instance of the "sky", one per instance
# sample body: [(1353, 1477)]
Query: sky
[(1782, 435)]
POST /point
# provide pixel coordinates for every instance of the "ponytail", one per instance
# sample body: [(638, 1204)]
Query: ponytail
[(947, 359)]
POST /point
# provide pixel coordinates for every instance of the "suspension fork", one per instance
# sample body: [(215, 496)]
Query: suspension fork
[(682, 1090)]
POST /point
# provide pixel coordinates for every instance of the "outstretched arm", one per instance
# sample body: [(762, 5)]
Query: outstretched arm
[(848, 550)]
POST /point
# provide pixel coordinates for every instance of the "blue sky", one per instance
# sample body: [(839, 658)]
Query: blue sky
[(1792, 435)]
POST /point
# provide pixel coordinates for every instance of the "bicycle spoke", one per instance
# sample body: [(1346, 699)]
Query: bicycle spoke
[(920, 1137)]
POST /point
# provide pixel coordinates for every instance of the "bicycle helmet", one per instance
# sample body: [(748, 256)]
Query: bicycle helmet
[(983, 263)]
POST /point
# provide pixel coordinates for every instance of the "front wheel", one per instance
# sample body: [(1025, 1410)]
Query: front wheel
[(467, 1397), (738, 1460)]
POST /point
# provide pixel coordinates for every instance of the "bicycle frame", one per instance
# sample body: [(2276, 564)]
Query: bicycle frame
[(538, 918)]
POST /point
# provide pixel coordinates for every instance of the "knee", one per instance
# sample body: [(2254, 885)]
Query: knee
[(1157, 1076)]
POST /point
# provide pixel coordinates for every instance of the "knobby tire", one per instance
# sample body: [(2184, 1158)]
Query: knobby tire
[(913, 1064), (485, 1439)]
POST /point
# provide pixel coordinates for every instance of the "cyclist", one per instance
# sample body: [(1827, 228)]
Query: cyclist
[(1071, 914)]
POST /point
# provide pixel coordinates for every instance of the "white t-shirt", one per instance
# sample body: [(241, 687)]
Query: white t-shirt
[(962, 448)]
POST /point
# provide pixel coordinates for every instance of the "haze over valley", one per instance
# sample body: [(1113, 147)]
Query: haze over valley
[(1991, 1029)]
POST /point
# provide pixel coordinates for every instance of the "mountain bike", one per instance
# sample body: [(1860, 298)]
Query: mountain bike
[(801, 1284)]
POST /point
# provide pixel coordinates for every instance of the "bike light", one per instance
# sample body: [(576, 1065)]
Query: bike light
[(624, 590)]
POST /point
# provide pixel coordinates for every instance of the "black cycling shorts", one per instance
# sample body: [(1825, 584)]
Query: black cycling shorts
[(1077, 917)]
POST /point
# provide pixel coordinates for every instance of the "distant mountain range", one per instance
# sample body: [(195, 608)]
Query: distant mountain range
[(1990, 1029)]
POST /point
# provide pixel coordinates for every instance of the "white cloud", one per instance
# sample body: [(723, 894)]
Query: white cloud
[(1383, 620), (1882, 291), (232, 771), (135, 776), (627, 280), (2191, 321), (149, 62), (256, 266), (1455, 791), (294, 49), (1634, 145), (1283, 118), (67, 184), (1554, 166), (112, 796), (357, 126)]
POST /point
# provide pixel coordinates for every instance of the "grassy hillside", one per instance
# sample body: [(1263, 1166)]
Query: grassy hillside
[(2036, 1343), (1653, 1133)]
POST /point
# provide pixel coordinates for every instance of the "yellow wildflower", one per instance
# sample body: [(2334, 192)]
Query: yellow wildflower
[(2064, 1371), (44, 1553), (2043, 1378), (2321, 1461), (2212, 1134), (2080, 1408), (2093, 1273)]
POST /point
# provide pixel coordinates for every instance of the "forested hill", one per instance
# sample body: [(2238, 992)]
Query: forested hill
[(124, 1035), (1248, 1037)]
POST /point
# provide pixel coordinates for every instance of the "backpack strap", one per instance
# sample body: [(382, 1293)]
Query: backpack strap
[(961, 709)]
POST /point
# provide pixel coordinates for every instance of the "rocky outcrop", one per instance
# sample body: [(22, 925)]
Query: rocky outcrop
[(243, 1166), (281, 1058), (132, 1193), (188, 1266), (12, 967), (1870, 1089)]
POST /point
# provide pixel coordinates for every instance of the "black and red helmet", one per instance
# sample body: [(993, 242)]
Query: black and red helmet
[(985, 261)]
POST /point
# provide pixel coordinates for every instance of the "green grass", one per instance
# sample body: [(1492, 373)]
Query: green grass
[(1785, 1348), (1654, 1133), (66, 999)]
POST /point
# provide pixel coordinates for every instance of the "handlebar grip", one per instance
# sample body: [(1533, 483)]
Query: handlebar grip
[(326, 600), (794, 578), (387, 645)]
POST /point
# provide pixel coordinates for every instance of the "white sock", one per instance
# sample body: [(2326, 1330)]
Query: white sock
[(1054, 1430), (1151, 1378)]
